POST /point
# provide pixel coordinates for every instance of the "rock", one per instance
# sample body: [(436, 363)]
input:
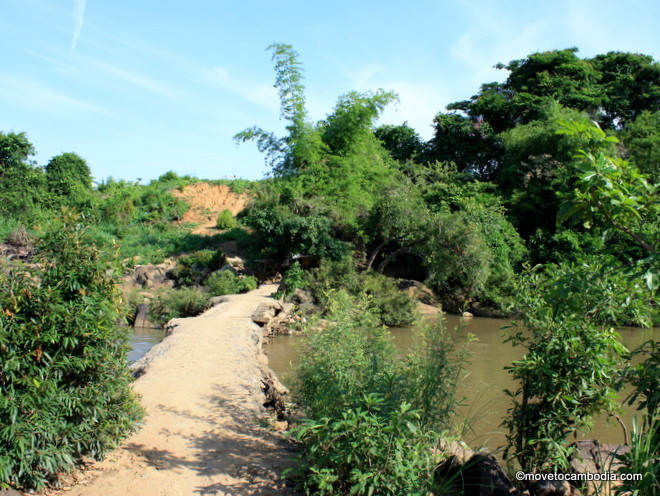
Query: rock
[(456, 449), (150, 276), (425, 309), (418, 291), (594, 457), (550, 488), (472, 474), (229, 268), (142, 316), (9, 492), (275, 393), (217, 300), (305, 302), (467, 315), (483, 476), (301, 297), (266, 312), (281, 323), (481, 310)]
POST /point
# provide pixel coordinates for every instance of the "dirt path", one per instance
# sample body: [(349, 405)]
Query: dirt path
[(202, 392)]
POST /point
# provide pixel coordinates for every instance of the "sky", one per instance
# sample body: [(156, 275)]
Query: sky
[(141, 87)]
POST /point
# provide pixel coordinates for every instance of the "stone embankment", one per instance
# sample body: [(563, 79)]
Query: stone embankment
[(205, 432)]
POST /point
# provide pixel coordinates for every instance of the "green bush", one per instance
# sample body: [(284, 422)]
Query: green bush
[(367, 451), (64, 379), (392, 306), (294, 278), (372, 418), (225, 220), (178, 303), (223, 282), (194, 268), (566, 376)]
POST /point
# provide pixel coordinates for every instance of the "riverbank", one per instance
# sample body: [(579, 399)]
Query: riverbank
[(203, 434)]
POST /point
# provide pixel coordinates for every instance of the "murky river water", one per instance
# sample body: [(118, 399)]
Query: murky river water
[(142, 340), (485, 377)]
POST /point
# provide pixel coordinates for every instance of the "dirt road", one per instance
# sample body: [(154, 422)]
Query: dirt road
[(202, 392)]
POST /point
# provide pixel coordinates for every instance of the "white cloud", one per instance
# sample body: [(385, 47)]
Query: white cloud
[(264, 95), (145, 82), (418, 105), (36, 96), (78, 21)]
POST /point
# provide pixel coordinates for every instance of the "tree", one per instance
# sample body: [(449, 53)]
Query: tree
[(470, 144), (21, 184), (613, 88), (641, 141), (611, 189), (402, 142), (630, 83), (68, 174)]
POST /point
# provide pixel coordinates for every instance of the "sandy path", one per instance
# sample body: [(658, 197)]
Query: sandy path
[(202, 393)]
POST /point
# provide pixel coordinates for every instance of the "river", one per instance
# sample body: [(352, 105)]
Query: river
[(484, 379), (142, 339)]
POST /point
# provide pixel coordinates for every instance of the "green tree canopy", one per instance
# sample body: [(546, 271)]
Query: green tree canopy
[(67, 173)]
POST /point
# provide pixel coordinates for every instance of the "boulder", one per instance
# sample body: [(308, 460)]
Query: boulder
[(472, 474), (594, 457), (217, 300), (142, 316), (265, 312), (150, 275), (483, 476), (418, 291), (550, 488)]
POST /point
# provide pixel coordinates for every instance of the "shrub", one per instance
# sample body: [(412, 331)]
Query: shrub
[(64, 378), (566, 376), (373, 418), (225, 220), (223, 282), (367, 452), (294, 278), (194, 268), (392, 306), (178, 303)]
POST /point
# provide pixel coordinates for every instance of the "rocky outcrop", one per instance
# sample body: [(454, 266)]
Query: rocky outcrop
[(150, 276)]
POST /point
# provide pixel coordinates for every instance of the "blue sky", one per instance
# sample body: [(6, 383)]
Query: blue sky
[(141, 87)]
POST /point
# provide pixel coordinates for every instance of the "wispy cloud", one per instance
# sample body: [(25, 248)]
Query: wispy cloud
[(78, 21), (148, 83), (35, 96), (258, 93)]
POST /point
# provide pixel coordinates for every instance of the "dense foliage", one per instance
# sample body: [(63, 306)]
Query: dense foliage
[(554, 168), (64, 378), (372, 419)]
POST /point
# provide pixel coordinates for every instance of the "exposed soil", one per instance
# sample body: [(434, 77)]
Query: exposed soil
[(204, 433), (207, 201)]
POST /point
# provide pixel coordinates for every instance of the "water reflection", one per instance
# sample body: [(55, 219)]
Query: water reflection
[(142, 340), (485, 379)]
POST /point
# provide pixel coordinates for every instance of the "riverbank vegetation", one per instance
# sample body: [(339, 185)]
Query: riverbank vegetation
[(536, 197), (525, 200)]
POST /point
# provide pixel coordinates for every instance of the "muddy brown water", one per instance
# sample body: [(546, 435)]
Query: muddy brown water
[(484, 380)]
